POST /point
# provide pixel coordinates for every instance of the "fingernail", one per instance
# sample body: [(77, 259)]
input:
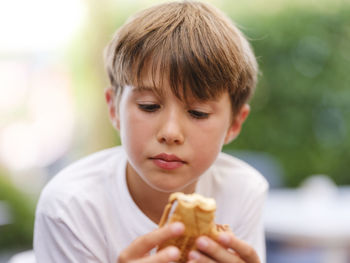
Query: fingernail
[(224, 238), (193, 255), (202, 242), (177, 227), (173, 253)]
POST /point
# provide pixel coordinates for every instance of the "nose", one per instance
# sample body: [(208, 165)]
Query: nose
[(171, 129)]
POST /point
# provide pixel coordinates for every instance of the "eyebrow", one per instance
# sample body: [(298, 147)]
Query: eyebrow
[(157, 91)]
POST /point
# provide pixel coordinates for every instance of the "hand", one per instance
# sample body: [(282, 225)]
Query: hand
[(138, 250), (228, 249)]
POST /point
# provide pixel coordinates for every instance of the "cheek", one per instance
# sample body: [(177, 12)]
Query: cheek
[(212, 135), (207, 144), (135, 131)]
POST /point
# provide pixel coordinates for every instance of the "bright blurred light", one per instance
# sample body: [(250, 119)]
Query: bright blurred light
[(38, 25), (44, 132), (13, 85), (36, 108)]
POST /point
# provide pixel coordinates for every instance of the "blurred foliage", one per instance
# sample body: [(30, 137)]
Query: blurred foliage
[(301, 109), (19, 233)]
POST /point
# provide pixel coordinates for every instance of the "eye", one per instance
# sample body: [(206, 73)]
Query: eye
[(149, 107), (198, 114)]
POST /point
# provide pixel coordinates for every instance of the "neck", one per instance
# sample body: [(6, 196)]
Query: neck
[(150, 201)]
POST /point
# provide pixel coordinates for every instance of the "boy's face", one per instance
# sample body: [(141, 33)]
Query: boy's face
[(170, 143)]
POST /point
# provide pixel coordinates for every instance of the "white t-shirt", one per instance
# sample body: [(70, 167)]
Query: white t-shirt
[(86, 214)]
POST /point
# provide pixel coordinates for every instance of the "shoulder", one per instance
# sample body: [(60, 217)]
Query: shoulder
[(95, 161), (238, 188), (238, 173), (83, 181)]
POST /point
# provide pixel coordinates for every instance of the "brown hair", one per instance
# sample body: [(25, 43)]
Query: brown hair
[(199, 50)]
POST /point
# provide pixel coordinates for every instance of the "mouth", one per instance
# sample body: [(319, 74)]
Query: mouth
[(167, 161)]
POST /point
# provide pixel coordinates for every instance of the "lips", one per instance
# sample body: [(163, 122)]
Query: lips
[(167, 161)]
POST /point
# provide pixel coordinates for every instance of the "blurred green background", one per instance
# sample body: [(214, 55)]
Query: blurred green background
[(300, 113)]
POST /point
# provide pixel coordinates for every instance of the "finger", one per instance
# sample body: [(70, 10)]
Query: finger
[(144, 244), (195, 256), (169, 254), (215, 251), (242, 248)]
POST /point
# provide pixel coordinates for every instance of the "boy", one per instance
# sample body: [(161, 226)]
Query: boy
[(181, 75)]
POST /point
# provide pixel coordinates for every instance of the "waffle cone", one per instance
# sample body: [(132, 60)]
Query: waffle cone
[(197, 213)]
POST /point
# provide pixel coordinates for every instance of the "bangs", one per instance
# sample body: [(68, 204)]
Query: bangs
[(174, 62)]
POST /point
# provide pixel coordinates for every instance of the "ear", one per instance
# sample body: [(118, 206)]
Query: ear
[(237, 123), (112, 111)]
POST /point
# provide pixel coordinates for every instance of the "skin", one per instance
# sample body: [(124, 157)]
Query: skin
[(151, 124), (228, 249)]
